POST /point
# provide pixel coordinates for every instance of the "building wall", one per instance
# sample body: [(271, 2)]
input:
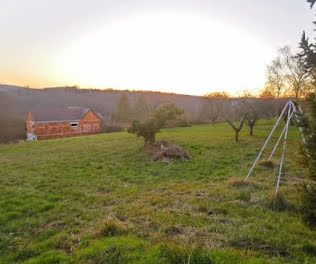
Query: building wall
[(88, 125), (30, 127)]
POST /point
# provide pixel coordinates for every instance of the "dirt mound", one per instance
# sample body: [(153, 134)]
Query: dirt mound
[(165, 151)]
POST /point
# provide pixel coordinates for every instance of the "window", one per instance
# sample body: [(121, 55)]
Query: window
[(74, 124)]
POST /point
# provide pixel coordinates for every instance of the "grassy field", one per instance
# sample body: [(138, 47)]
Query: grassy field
[(100, 199)]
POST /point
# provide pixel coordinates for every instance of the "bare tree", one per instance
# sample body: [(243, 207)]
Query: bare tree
[(276, 77), (237, 128), (286, 75), (250, 105), (253, 113), (235, 113), (296, 74), (269, 105), (212, 107)]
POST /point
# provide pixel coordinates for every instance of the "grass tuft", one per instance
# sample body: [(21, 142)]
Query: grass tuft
[(178, 255), (239, 183), (278, 202), (266, 163), (244, 195), (173, 230), (111, 228), (310, 249)]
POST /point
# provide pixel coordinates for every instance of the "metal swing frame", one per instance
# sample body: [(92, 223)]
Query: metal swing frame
[(291, 110)]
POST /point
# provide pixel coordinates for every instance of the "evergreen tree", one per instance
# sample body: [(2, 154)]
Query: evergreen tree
[(308, 56), (308, 150), (312, 2), (308, 123), (124, 112), (141, 109)]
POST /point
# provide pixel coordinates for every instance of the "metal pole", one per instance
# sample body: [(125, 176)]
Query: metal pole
[(299, 127), (276, 145), (284, 147), (265, 144)]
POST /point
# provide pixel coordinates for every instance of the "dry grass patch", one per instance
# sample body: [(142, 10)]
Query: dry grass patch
[(112, 227), (267, 163), (239, 183), (165, 151)]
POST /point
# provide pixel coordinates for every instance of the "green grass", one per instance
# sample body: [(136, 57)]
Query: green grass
[(100, 199)]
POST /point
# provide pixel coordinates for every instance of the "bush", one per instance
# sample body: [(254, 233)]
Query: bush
[(149, 128)]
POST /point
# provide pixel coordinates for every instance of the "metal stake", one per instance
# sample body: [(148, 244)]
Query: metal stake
[(284, 147), (276, 145)]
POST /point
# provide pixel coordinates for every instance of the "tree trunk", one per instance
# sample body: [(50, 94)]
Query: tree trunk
[(251, 130), (236, 135), (237, 129)]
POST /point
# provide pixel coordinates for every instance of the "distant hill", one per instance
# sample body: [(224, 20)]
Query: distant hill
[(16, 101), (103, 101)]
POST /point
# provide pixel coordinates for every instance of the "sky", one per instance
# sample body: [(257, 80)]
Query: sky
[(182, 46)]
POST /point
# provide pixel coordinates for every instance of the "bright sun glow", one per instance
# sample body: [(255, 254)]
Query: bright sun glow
[(168, 52)]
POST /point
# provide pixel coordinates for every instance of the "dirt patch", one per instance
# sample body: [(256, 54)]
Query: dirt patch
[(165, 151)]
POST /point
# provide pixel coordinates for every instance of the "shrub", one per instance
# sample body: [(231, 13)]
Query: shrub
[(149, 128)]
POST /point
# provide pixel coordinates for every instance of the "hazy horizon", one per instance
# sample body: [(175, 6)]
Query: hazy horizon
[(184, 47)]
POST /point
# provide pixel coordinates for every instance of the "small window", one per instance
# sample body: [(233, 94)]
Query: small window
[(74, 124)]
